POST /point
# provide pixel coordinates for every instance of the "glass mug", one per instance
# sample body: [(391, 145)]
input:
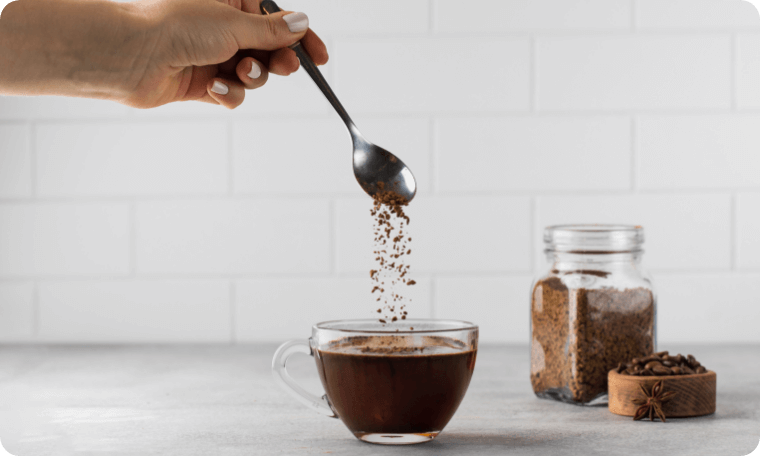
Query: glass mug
[(388, 384)]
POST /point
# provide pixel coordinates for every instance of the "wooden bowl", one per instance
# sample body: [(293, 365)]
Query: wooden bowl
[(696, 393)]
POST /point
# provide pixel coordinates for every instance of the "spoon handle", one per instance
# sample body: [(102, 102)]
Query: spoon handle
[(269, 7)]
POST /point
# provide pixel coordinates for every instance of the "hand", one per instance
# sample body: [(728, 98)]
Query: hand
[(212, 50)]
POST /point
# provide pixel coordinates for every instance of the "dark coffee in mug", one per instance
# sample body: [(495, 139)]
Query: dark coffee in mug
[(395, 385)]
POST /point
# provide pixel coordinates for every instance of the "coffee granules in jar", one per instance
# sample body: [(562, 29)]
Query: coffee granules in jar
[(592, 310), (391, 250), (580, 334)]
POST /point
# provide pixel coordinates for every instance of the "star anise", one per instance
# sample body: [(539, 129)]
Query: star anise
[(652, 404)]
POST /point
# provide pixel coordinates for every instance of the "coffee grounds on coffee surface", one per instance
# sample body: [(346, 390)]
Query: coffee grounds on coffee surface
[(391, 249), (578, 335)]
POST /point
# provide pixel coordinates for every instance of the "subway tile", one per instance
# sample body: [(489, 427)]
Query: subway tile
[(685, 232), (269, 158), (696, 14), (449, 234), (537, 153), (748, 71), (47, 107), (707, 308), (67, 239), (140, 311), (274, 310), (748, 228), (434, 75), (15, 162), (500, 306), (699, 152), (329, 17), (233, 236), (16, 311), (132, 159), (634, 72), (543, 15)]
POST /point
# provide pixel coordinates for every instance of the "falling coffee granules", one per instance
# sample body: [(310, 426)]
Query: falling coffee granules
[(391, 249), (579, 335)]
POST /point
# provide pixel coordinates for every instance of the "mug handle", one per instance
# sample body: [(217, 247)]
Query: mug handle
[(284, 379)]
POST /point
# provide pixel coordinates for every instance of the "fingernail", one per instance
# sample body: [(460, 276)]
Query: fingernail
[(220, 88), (255, 71), (297, 22)]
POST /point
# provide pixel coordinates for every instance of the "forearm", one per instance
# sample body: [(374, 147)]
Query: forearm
[(85, 48)]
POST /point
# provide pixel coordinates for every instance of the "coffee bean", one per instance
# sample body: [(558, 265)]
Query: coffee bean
[(661, 370), (701, 370), (662, 354), (652, 364), (686, 370), (646, 373), (676, 370), (668, 363)]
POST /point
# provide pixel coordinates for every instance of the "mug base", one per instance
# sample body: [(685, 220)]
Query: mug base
[(395, 439)]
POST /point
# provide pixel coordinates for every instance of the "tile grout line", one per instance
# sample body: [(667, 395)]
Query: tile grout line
[(233, 312), (432, 12), (634, 15), (734, 257), (35, 310), (532, 235), (332, 242), (734, 72), (132, 239), (536, 238), (433, 297), (230, 158), (533, 74), (433, 151), (634, 155), (31, 137)]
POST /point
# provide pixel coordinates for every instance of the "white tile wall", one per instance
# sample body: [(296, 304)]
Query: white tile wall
[(683, 232), (15, 162), (748, 227), (719, 307), (117, 159), (536, 15), (67, 239), (699, 152), (280, 309), (634, 72), (748, 71), (17, 318), (135, 311), (449, 234), (433, 75), (696, 14), (233, 237), (192, 223), (534, 153)]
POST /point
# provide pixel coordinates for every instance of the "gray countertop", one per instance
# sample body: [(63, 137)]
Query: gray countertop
[(221, 400)]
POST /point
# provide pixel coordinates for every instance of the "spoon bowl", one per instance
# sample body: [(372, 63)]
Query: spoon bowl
[(376, 170)]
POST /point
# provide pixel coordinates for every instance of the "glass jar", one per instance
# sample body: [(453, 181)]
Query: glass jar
[(593, 308)]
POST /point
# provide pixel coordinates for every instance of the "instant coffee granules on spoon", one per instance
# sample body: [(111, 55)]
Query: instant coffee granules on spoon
[(391, 240)]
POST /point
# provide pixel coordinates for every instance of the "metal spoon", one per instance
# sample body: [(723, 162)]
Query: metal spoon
[(375, 168)]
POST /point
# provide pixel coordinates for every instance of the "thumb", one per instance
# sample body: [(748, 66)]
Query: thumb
[(268, 32)]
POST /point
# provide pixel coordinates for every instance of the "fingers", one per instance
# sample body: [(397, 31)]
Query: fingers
[(252, 73), (315, 47), (229, 94), (283, 62), (270, 32)]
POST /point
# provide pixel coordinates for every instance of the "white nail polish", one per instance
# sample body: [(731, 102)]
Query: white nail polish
[(255, 71), (220, 88), (297, 22)]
